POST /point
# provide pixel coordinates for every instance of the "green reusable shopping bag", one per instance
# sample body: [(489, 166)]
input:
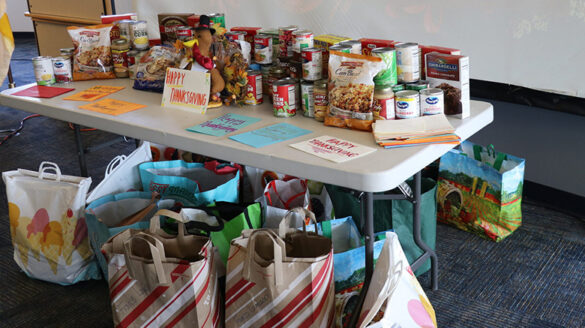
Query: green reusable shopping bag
[(396, 215)]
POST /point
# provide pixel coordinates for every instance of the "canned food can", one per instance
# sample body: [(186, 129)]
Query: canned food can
[(62, 69), (383, 105), (43, 67), (139, 35), (263, 49), (307, 99), (407, 104), (217, 19), (388, 75), (301, 39), (432, 101), (132, 57), (285, 40), (295, 69), (235, 35), (418, 86), (321, 100), (398, 87), (340, 48), (284, 98), (254, 93), (312, 64), (356, 46), (125, 29), (408, 62), (184, 33), (67, 52)]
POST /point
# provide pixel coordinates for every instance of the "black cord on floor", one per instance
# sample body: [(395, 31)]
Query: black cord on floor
[(17, 130)]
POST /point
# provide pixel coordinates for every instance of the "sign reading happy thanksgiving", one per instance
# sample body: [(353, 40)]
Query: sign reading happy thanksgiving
[(186, 90)]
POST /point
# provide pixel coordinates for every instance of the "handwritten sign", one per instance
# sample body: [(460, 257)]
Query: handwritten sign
[(333, 149), (94, 93), (270, 135), (224, 124), (186, 90), (112, 106)]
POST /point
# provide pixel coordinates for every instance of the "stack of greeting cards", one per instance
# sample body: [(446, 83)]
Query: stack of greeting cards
[(422, 130)]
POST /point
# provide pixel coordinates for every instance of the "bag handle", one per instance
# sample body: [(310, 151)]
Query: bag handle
[(279, 254), (47, 166), (491, 151), (114, 163), (155, 222), (284, 225), (157, 253)]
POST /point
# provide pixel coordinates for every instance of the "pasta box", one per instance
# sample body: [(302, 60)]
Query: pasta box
[(451, 74), (370, 44), (427, 49)]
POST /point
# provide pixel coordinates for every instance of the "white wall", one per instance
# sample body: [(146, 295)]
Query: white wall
[(15, 10)]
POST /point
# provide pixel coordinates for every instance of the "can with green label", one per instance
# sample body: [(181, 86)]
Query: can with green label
[(418, 86), (398, 87), (217, 18), (388, 75)]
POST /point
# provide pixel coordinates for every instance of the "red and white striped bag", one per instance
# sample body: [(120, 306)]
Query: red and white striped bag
[(158, 281), (280, 281)]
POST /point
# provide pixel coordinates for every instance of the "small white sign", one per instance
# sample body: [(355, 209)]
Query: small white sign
[(186, 90), (333, 149)]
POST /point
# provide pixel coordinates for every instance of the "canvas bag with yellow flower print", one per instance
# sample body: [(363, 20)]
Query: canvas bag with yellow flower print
[(395, 298), (47, 224)]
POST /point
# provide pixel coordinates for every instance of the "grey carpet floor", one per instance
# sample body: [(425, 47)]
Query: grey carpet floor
[(534, 278)]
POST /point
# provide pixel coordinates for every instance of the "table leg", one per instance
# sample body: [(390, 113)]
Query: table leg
[(367, 205), (80, 151)]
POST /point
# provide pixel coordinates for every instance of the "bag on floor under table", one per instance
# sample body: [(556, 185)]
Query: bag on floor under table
[(47, 224)]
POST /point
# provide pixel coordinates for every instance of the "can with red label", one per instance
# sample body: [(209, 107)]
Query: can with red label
[(301, 39), (312, 64), (235, 35), (254, 93), (184, 33), (62, 69), (284, 97), (383, 105), (407, 104), (263, 49), (285, 40)]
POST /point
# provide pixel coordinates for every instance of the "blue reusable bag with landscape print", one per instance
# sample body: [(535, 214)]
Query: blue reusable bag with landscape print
[(480, 190)]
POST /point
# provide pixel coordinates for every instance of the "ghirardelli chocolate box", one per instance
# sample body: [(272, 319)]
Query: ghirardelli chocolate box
[(451, 74), (428, 49), (168, 24)]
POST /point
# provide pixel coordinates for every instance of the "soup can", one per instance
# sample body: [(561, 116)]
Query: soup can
[(341, 48), (217, 19), (263, 49), (432, 101), (418, 86), (43, 67), (235, 35), (285, 40), (139, 35), (307, 99), (356, 46), (62, 69), (301, 39), (388, 75), (254, 93), (312, 64), (408, 62), (398, 87), (295, 69), (184, 33), (125, 29), (407, 104), (284, 97)]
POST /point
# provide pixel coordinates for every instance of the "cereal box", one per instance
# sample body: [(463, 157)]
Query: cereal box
[(369, 44), (451, 74), (427, 49), (325, 41)]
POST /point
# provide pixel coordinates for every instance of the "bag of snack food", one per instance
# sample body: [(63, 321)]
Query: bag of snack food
[(92, 58), (351, 90), (151, 70)]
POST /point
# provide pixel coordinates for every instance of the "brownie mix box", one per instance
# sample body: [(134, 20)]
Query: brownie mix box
[(427, 49), (168, 23), (451, 74)]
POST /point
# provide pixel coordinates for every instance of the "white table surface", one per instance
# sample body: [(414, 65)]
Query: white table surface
[(381, 170)]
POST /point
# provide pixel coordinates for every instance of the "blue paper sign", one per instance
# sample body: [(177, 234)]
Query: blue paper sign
[(270, 135), (224, 124)]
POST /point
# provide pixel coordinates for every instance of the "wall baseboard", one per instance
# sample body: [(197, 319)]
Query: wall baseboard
[(556, 199)]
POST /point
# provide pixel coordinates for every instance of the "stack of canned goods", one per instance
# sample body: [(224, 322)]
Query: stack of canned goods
[(51, 70), (413, 103)]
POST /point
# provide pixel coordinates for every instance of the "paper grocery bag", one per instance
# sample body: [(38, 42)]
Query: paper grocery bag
[(280, 282), (161, 280)]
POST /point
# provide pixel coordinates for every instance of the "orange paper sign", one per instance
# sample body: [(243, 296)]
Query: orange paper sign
[(94, 93), (112, 106)]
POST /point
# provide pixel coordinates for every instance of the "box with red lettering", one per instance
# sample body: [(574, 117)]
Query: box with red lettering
[(369, 44), (451, 74), (427, 49)]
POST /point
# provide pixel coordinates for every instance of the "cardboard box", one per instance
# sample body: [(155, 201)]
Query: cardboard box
[(428, 49), (450, 73), (168, 23), (325, 41), (369, 44)]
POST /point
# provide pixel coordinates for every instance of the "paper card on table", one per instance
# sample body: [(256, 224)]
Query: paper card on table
[(112, 106), (224, 124), (333, 149), (94, 93), (270, 135), (186, 90), (42, 91)]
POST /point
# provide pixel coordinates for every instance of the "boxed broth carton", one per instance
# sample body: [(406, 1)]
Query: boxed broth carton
[(451, 74)]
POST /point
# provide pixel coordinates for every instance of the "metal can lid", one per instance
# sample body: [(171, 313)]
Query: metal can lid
[(339, 47), (216, 15), (431, 92), (311, 50), (59, 58), (67, 50), (406, 45), (288, 28), (120, 42), (382, 50), (262, 36), (125, 21), (302, 32), (383, 87), (253, 72), (133, 22), (350, 42), (407, 94), (285, 81), (41, 58), (276, 70), (321, 84)]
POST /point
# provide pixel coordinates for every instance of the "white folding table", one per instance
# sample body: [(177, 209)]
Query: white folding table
[(382, 170)]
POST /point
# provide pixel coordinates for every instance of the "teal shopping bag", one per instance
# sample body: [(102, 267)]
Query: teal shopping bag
[(192, 184)]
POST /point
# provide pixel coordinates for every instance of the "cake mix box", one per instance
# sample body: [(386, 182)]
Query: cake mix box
[(451, 74), (370, 44), (427, 49), (168, 24), (325, 41)]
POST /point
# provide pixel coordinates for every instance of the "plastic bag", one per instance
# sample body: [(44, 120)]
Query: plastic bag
[(92, 58), (151, 70)]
